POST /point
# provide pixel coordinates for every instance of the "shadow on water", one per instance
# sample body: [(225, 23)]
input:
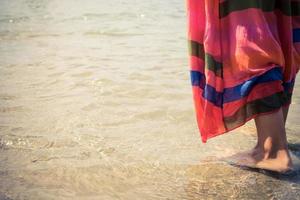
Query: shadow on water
[(295, 148), (209, 179), (292, 177), (219, 181)]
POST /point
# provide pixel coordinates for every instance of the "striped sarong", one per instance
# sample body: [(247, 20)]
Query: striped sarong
[(244, 56)]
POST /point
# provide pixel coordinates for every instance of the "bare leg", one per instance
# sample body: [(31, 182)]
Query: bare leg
[(285, 111), (271, 150), (256, 149)]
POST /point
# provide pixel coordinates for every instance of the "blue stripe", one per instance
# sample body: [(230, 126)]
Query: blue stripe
[(236, 92), (296, 35), (242, 90)]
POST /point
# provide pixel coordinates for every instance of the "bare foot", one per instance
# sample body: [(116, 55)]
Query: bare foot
[(252, 155), (256, 158), (281, 162), (244, 158)]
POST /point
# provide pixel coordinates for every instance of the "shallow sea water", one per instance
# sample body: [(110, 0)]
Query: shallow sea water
[(96, 103)]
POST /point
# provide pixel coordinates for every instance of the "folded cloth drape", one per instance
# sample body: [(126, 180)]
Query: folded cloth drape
[(244, 56)]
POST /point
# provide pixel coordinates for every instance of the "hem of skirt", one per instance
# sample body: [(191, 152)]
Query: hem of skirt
[(204, 138)]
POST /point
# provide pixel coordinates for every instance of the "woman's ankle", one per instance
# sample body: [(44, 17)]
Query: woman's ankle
[(280, 153), (270, 150)]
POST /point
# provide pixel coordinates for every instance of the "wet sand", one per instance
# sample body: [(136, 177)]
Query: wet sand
[(96, 103)]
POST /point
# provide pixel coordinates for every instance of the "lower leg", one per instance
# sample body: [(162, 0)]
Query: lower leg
[(285, 111), (256, 149), (271, 151)]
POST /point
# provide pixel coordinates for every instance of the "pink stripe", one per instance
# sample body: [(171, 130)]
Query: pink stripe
[(209, 117), (212, 37), (196, 64), (214, 81), (196, 20), (252, 36)]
